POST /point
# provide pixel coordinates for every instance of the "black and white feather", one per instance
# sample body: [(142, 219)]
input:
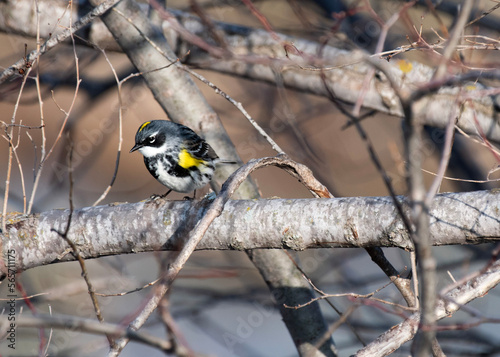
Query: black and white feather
[(175, 155)]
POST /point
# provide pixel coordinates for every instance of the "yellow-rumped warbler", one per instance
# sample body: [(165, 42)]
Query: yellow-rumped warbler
[(175, 155)]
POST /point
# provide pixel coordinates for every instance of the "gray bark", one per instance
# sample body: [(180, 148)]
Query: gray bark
[(455, 218)]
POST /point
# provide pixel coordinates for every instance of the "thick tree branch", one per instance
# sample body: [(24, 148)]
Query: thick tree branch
[(455, 218)]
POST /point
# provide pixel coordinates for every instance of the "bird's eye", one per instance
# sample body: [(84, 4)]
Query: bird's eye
[(152, 139)]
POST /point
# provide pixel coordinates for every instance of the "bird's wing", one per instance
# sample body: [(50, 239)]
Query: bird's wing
[(200, 149)]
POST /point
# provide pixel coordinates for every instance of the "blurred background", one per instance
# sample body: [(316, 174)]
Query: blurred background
[(220, 304)]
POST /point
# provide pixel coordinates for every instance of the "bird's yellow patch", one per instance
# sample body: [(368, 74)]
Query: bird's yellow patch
[(144, 125), (186, 160)]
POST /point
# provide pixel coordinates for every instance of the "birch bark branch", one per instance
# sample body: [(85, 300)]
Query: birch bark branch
[(455, 218)]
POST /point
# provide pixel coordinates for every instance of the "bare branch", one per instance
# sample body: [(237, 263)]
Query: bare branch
[(456, 218), (467, 291), (454, 39), (86, 325), (53, 41), (403, 284)]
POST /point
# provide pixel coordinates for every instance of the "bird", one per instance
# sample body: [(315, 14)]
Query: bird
[(176, 156)]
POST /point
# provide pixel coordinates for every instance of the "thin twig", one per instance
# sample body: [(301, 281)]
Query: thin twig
[(356, 296), (9, 135), (177, 340), (413, 259), (130, 291), (445, 158), (334, 326), (484, 14), (380, 45), (20, 166), (328, 301), (454, 39), (238, 106), (50, 335), (120, 130), (473, 287), (373, 154), (402, 284), (460, 179), (74, 248), (73, 323), (61, 130)]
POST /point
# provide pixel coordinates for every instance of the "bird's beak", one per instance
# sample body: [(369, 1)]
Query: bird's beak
[(136, 147)]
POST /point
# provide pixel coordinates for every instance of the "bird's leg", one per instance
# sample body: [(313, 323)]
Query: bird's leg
[(165, 195), (155, 196), (187, 198)]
